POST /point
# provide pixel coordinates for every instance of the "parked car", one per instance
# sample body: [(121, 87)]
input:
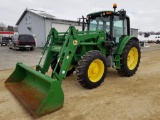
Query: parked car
[(158, 42), (22, 41), (5, 40)]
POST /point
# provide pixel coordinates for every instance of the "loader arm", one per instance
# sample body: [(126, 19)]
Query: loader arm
[(66, 54), (53, 35), (65, 46)]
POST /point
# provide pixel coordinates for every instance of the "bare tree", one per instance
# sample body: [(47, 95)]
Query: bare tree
[(10, 28), (2, 27), (157, 33), (140, 32), (15, 29), (152, 33), (146, 34)]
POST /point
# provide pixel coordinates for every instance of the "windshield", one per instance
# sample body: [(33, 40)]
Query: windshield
[(6, 38), (100, 23), (26, 37)]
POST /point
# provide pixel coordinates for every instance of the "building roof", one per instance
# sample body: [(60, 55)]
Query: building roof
[(134, 28), (44, 15), (35, 12)]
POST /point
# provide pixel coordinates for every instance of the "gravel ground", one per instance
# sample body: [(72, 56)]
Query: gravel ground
[(118, 98), (9, 57)]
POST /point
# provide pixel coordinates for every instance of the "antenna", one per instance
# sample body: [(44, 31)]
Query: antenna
[(95, 5)]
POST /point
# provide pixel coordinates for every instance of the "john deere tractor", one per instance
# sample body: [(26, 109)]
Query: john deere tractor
[(105, 42)]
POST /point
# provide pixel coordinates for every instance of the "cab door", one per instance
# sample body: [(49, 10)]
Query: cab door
[(119, 28)]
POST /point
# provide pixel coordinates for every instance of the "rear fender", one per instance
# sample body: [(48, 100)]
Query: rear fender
[(120, 48)]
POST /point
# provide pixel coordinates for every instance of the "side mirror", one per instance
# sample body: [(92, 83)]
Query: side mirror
[(122, 15)]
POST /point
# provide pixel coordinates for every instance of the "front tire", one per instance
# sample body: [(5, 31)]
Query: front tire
[(53, 64), (92, 69), (15, 48), (130, 59)]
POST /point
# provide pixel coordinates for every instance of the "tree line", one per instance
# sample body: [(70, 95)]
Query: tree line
[(4, 27), (149, 33)]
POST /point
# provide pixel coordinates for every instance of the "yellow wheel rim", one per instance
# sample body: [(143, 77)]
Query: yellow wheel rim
[(132, 58), (96, 70)]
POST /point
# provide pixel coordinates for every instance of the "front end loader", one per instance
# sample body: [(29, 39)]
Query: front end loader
[(106, 42)]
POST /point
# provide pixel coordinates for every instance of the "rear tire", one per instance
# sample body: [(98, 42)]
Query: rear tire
[(130, 59), (31, 48), (92, 69)]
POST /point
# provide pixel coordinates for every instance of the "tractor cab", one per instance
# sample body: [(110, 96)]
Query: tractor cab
[(114, 24)]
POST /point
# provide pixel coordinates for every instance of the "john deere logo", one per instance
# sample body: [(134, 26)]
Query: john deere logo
[(75, 42)]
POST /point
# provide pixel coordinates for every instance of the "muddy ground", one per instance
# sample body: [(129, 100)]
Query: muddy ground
[(118, 98)]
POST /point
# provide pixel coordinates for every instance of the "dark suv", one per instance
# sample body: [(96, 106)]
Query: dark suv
[(22, 41), (5, 40)]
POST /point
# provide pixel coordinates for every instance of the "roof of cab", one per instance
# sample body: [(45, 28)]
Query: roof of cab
[(104, 11)]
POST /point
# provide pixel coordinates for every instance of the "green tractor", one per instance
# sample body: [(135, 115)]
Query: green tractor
[(106, 42)]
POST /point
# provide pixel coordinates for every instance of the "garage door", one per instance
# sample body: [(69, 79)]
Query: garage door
[(63, 27)]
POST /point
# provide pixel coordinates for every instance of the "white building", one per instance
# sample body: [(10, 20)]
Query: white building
[(134, 32), (39, 24), (149, 38)]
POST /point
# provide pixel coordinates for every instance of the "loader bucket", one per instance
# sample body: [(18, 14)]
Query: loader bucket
[(39, 93)]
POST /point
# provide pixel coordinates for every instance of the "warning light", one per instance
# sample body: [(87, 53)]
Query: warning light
[(114, 5)]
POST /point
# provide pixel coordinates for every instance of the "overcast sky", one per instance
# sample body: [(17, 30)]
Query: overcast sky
[(144, 14)]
